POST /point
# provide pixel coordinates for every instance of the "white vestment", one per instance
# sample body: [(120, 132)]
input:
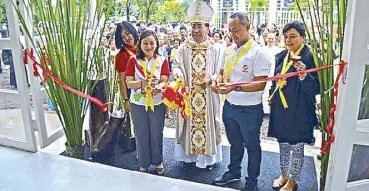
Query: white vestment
[(199, 136)]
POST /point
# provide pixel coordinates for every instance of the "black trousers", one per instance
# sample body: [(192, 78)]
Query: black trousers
[(242, 124)]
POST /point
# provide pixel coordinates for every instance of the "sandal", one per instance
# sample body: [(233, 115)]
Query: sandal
[(159, 171), (294, 188), (278, 184)]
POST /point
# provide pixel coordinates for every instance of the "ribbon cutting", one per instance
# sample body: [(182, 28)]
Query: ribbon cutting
[(184, 104)]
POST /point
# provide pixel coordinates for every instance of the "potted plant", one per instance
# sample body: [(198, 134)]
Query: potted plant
[(66, 40)]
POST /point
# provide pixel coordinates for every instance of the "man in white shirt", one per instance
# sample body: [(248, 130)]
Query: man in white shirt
[(243, 109)]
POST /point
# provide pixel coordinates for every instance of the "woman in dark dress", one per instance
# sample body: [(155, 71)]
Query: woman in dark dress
[(292, 122)]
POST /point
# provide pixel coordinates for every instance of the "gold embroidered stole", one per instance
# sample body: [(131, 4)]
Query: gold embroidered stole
[(199, 115)]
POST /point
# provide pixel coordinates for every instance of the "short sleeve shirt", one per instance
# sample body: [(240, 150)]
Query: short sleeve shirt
[(122, 58), (254, 63)]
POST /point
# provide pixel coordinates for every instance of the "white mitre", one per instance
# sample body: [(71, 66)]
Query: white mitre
[(200, 12)]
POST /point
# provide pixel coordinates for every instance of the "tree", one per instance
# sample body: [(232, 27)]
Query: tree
[(128, 3), (171, 11), (303, 4), (257, 6), (147, 7), (118, 8)]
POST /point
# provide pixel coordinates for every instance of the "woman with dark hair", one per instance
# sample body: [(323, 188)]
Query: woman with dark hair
[(217, 37), (126, 38), (228, 40), (292, 103), (147, 74)]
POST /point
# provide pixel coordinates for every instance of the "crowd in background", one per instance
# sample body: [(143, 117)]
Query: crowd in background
[(171, 35)]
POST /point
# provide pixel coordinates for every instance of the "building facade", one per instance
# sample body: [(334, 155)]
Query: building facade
[(276, 12)]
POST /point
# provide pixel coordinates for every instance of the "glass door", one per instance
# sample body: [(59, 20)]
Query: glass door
[(349, 158), (47, 122), (16, 124)]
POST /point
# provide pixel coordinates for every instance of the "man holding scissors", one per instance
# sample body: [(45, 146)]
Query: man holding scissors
[(243, 109)]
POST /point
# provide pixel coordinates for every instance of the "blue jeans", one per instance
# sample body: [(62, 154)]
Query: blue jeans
[(13, 80), (242, 124)]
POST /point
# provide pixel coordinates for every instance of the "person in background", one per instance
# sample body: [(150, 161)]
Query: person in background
[(7, 57), (163, 28), (174, 51), (183, 33), (147, 74), (217, 37), (272, 50), (265, 35), (141, 28), (164, 46), (292, 116), (126, 38), (228, 40), (170, 37)]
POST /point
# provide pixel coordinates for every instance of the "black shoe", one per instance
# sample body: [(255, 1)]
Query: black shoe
[(227, 178), (209, 167), (251, 185)]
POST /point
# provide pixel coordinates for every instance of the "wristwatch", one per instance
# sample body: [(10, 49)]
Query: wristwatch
[(238, 88)]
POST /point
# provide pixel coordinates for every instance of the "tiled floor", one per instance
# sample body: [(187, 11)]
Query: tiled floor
[(272, 146), (40, 171), (46, 170)]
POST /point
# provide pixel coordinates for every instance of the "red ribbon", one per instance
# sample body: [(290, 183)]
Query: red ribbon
[(285, 76), (331, 123), (25, 61), (96, 101)]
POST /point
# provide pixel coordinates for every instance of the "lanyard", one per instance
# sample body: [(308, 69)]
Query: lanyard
[(229, 67), (129, 52), (149, 100), (281, 82)]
